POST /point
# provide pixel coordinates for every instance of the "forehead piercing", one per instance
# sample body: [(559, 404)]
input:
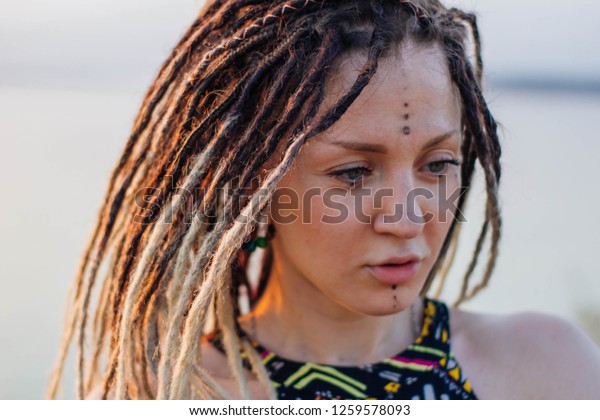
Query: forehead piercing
[(406, 130)]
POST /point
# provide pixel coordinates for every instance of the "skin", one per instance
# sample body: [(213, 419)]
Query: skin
[(320, 287), (320, 274)]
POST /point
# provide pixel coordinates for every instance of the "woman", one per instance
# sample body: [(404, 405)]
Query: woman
[(292, 187)]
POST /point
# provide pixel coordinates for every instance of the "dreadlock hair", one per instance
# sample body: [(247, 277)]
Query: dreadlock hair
[(245, 82)]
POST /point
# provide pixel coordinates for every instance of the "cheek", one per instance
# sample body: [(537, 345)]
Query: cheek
[(324, 231), (328, 222), (435, 233), (443, 208)]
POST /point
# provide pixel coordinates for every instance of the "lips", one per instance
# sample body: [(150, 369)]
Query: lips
[(399, 260), (396, 270)]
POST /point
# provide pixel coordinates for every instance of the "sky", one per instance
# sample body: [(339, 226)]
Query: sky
[(119, 45)]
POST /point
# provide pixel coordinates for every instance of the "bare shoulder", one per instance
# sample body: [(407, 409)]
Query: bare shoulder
[(215, 363), (525, 356)]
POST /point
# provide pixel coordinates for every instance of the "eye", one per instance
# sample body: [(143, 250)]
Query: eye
[(351, 176), (440, 167)]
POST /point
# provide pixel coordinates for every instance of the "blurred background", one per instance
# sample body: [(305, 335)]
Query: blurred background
[(73, 74)]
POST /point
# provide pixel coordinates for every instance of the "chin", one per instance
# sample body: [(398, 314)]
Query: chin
[(382, 308)]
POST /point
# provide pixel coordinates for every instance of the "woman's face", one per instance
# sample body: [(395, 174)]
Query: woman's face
[(377, 185)]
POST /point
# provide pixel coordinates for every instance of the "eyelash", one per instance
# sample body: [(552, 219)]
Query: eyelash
[(338, 174), (446, 162)]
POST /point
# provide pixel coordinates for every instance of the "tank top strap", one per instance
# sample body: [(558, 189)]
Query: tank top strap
[(435, 332), (435, 336)]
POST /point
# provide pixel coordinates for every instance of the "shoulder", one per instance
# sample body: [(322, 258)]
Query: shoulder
[(525, 356)]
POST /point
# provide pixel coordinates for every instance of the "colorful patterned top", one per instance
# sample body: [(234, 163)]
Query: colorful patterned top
[(425, 370)]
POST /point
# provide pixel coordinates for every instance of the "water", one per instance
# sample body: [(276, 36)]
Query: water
[(59, 147)]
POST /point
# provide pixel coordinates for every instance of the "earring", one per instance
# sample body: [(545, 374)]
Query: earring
[(261, 241)]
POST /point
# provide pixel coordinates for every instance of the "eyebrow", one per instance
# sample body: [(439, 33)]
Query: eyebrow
[(380, 148)]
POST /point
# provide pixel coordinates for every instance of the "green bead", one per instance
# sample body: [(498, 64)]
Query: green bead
[(262, 242)]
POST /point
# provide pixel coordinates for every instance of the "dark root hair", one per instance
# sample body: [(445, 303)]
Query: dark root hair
[(245, 82)]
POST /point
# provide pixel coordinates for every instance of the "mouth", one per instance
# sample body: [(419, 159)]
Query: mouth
[(395, 273)]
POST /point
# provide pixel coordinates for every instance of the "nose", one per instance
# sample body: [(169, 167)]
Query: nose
[(401, 208)]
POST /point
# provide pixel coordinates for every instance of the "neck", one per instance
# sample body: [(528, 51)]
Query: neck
[(324, 332)]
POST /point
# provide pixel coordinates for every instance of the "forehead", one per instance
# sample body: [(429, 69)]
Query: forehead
[(408, 69), (411, 92)]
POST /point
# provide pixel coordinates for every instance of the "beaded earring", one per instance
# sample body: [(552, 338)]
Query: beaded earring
[(260, 242)]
